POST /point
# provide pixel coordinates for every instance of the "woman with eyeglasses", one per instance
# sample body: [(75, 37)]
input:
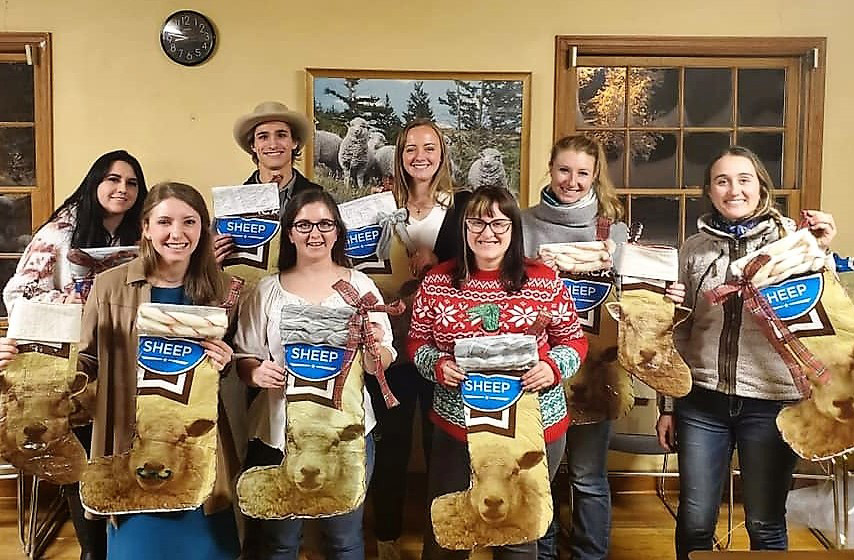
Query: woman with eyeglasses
[(491, 270), (311, 260)]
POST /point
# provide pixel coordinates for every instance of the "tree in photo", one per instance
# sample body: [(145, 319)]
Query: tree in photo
[(418, 105)]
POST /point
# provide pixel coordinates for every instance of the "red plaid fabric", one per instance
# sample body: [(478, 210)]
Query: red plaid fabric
[(359, 332), (96, 266), (795, 355), (603, 228)]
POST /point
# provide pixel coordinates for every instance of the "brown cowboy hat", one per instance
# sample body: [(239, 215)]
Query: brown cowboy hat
[(267, 111)]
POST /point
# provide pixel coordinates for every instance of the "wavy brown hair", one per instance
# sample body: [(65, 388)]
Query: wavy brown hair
[(203, 281), (287, 249), (441, 187), (609, 203)]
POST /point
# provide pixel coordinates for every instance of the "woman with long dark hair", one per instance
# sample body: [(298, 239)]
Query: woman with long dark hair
[(492, 269), (103, 211)]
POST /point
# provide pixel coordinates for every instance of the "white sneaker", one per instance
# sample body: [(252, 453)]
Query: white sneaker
[(388, 550)]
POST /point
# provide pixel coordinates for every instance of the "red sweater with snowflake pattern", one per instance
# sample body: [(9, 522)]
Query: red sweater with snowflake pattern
[(442, 314)]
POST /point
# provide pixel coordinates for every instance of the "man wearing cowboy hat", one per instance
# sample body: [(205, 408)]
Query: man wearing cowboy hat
[(274, 136)]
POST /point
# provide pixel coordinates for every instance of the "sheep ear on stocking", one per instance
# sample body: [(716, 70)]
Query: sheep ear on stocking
[(250, 215), (37, 391), (790, 288), (509, 501), (172, 461), (647, 319)]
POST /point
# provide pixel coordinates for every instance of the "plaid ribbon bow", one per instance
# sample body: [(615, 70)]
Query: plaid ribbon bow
[(95, 266), (359, 332), (795, 355)]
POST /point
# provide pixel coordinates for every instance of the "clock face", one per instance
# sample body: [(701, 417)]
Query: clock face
[(188, 37)]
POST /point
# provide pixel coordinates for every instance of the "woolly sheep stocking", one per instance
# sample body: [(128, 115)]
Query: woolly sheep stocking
[(809, 318), (323, 472), (602, 388), (250, 214), (36, 392), (509, 501), (647, 318), (172, 462)]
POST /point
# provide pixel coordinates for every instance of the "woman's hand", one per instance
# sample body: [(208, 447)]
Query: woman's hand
[(268, 375), (675, 292), (550, 262), (218, 351), (821, 225), (8, 351), (422, 260), (369, 364), (72, 297), (223, 246), (539, 377), (666, 430), (452, 375)]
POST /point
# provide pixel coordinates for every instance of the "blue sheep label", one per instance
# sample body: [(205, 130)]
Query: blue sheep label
[(248, 233), (587, 294), (169, 356), (490, 393), (362, 242), (795, 297), (314, 362)]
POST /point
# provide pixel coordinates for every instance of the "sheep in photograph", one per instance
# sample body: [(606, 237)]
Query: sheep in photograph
[(315, 479), (353, 153), (326, 147), (380, 158), (502, 505), (488, 170)]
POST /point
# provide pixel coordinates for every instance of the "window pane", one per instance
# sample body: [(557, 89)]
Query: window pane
[(694, 208), (16, 95), (699, 149), (769, 148), (16, 219), (615, 153), (602, 96), (760, 96), (654, 96), (7, 270), (660, 218), (782, 204), (17, 156), (708, 97), (653, 161)]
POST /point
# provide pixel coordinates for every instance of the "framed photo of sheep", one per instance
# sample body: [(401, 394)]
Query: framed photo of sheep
[(485, 117)]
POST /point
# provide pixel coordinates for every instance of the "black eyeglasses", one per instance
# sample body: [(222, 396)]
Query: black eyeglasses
[(476, 225), (305, 226)]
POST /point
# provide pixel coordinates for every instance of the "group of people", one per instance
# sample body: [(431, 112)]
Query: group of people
[(467, 249)]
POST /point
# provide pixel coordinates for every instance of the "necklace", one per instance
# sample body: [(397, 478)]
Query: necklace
[(418, 210)]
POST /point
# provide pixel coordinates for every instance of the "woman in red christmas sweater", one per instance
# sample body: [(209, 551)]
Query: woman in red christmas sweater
[(449, 306)]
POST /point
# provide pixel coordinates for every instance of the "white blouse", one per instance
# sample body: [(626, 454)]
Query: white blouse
[(258, 336)]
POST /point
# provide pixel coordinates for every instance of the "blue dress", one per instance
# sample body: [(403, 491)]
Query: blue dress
[(184, 535)]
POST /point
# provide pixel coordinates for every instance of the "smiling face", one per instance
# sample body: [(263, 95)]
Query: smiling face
[(315, 244), (174, 229), (572, 175), (273, 144), (489, 247), (118, 191), (422, 154), (734, 189)]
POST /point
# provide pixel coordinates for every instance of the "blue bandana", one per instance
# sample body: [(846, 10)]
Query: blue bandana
[(738, 228)]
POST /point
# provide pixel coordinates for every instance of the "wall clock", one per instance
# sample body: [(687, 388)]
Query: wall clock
[(188, 37)]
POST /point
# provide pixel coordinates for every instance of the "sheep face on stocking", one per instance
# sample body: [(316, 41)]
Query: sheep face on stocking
[(309, 452), (497, 486), (158, 457)]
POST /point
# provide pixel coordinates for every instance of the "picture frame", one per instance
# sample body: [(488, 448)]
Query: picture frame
[(485, 118)]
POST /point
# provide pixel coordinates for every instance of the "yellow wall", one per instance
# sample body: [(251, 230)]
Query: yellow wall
[(113, 87)]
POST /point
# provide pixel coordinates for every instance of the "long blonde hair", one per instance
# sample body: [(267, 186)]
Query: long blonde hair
[(441, 187), (609, 203), (203, 282)]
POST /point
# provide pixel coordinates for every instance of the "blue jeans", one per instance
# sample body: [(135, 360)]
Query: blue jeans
[(279, 539), (587, 457), (451, 472), (709, 425)]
